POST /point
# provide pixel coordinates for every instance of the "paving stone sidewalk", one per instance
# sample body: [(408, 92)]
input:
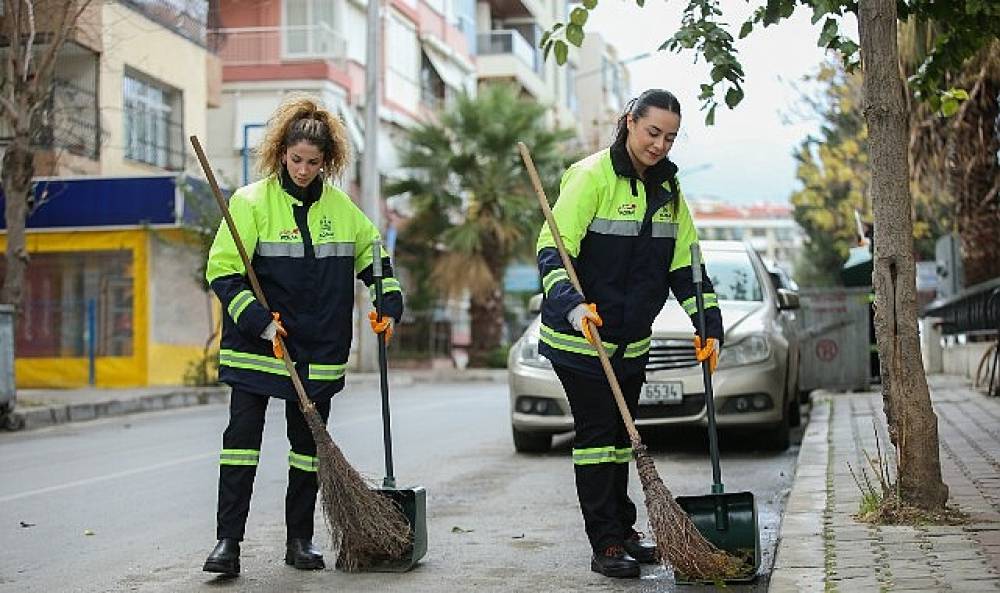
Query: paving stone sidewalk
[(38, 408), (823, 549)]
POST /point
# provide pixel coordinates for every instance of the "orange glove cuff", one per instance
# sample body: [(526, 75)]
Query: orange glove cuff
[(280, 332), (380, 325), (586, 321)]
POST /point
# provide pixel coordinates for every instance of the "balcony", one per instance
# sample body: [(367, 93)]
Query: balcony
[(506, 54), (187, 19), (261, 46), (67, 121)]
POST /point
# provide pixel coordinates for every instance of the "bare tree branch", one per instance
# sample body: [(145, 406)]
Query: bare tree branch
[(31, 38)]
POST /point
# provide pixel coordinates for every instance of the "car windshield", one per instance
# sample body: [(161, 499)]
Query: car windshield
[(733, 276)]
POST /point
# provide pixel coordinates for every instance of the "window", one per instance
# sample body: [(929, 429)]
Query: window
[(67, 292), (153, 123), (402, 68), (571, 100), (733, 276), (432, 87), (310, 29)]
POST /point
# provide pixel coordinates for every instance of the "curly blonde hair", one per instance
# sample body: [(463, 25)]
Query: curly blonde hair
[(302, 118)]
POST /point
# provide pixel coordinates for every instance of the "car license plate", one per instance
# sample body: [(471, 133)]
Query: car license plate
[(662, 392)]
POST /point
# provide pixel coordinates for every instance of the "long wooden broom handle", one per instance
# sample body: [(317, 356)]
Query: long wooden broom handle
[(568, 265), (304, 400)]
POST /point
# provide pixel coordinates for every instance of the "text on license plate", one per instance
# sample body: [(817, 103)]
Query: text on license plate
[(663, 392)]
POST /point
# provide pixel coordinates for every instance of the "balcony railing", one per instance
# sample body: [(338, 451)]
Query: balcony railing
[(255, 46), (68, 121), (509, 41), (187, 18)]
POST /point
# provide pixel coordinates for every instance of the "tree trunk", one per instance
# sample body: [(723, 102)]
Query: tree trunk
[(486, 314), (912, 422), (16, 173)]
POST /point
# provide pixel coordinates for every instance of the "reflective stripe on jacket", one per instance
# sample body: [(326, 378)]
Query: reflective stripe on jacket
[(307, 273), (630, 242)]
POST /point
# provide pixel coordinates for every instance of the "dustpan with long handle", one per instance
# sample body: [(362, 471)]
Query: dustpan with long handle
[(727, 520), (412, 500)]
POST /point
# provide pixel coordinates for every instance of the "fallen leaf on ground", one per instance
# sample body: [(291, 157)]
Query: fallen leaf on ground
[(88, 532)]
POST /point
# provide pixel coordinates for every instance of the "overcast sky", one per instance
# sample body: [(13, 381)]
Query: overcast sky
[(747, 155)]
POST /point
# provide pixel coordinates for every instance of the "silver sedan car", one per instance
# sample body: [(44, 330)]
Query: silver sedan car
[(755, 384)]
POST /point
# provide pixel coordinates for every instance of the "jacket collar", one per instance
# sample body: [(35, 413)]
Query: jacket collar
[(306, 195), (655, 175)]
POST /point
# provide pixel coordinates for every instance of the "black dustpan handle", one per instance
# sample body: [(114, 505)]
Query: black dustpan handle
[(713, 436), (389, 481)]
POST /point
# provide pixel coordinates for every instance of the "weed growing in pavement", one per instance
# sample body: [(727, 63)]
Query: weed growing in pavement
[(882, 502)]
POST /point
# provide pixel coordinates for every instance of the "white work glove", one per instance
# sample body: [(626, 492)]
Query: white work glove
[(583, 311), (270, 331)]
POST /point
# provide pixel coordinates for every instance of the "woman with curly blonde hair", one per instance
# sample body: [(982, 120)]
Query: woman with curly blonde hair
[(308, 242)]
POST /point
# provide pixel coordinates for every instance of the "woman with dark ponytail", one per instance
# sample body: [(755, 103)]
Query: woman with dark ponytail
[(307, 242), (629, 232)]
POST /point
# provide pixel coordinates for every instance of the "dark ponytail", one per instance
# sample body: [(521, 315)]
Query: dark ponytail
[(639, 106)]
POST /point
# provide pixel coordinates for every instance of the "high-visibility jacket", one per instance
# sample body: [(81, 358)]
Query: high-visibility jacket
[(306, 259), (630, 242)]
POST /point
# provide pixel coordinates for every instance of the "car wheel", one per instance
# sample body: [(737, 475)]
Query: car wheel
[(531, 442), (778, 437), (794, 411)]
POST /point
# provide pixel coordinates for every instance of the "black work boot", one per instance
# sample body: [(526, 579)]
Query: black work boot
[(225, 558), (614, 562), (643, 552), (301, 554)]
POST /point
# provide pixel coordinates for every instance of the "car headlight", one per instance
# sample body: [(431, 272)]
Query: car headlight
[(527, 354), (749, 350)]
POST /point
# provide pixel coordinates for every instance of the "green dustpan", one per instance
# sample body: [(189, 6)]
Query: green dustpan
[(412, 500), (727, 520)]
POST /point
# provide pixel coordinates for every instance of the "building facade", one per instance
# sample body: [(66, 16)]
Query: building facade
[(111, 294), (768, 227)]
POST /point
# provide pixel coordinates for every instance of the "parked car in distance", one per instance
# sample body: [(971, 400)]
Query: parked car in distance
[(755, 384)]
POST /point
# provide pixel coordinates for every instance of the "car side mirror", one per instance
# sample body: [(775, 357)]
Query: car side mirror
[(787, 299), (535, 304)]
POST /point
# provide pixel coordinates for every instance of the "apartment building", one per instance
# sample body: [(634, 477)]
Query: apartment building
[(768, 227), (507, 51), (603, 86), (111, 294), (270, 48)]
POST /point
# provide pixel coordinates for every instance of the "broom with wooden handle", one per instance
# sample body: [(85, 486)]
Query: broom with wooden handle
[(367, 526), (678, 541)]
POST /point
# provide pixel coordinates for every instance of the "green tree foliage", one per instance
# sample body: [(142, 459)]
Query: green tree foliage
[(474, 210), (834, 171), (965, 27)]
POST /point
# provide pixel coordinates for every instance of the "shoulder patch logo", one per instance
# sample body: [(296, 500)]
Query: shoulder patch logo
[(626, 209)]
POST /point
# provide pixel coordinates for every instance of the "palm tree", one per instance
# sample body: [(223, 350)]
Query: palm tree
[(473, 206)]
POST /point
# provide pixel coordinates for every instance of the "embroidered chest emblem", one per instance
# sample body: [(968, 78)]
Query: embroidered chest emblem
[(626, 209), (290, 235), (325, 228), (662, 215)]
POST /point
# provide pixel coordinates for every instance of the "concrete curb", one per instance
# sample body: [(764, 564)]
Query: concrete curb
[(50, 415), (800, 559), (33, 417)]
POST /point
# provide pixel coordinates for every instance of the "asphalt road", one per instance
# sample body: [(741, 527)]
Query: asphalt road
[(128, 504)]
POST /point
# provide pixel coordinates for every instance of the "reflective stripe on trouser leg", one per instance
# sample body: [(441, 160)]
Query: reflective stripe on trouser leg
[(600, 454), (300, 498), (238, 462)]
